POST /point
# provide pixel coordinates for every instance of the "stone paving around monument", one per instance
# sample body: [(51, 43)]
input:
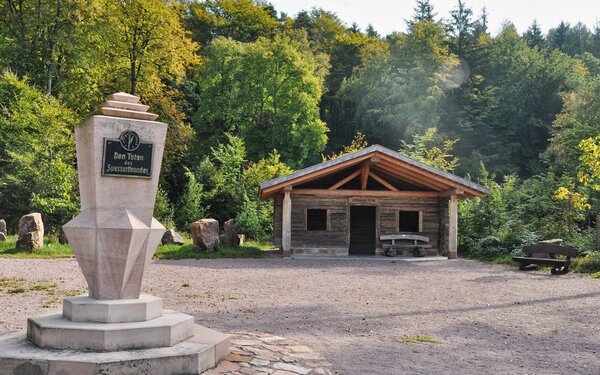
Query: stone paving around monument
[(265, 354)]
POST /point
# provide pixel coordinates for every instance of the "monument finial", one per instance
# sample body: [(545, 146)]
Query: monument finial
[(125, 105)]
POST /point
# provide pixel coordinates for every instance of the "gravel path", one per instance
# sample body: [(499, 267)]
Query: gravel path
[(489, 319)]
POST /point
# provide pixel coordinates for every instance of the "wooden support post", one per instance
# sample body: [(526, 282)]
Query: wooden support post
[(453, 228), (286, 222), (364, 178)]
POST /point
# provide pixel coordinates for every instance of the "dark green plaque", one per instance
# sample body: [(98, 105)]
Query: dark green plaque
[(127, 157)]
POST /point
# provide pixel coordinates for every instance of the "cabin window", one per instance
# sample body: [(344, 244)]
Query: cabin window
[(410, 221), (316, 219)]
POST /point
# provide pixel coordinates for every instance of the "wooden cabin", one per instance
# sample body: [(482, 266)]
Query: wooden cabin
[(344, 206)]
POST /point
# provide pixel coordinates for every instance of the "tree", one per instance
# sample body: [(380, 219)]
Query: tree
[(397, 89), (578, 120), (371, 32), (266, 92), (147, 41), (358, 143), (37, 38), (423, 12), (241, 20), (432, 149), (37, 155), (534, 36), (460, 28)]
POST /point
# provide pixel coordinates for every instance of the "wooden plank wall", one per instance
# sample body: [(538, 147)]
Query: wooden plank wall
[(335, 236), (431, 215), (435, 216)]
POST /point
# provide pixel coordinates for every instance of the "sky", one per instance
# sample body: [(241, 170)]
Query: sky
[(389, 15)]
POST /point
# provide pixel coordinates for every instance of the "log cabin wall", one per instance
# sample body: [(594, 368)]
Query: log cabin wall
[(335, 239)]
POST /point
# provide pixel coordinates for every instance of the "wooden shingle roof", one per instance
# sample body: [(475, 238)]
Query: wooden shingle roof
[(399, 170)]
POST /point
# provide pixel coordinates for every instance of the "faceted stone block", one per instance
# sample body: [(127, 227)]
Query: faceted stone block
[(87, 309), (112, 248)]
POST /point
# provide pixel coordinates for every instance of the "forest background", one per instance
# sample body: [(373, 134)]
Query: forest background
[(250, 93)]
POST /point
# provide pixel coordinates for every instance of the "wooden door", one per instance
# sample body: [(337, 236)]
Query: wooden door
[(362, 230)]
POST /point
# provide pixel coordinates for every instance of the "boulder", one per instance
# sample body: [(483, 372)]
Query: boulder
[(2, 237), (31, 231), (3, 227), (171, 238), (230, 235), (205, 233)]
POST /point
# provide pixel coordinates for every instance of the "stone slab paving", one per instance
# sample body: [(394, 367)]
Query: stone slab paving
[(265, 354)]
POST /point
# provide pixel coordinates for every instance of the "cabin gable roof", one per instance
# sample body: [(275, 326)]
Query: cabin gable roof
[(393, 164)]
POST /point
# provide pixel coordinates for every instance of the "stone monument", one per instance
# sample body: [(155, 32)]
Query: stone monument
[(115, 329)]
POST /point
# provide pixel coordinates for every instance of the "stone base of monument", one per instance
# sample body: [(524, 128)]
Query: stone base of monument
[(195, 355), (127, 336)]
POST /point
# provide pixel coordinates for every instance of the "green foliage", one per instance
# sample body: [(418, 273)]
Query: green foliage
[(36, 155), (584, 240), (38, 38), (358, 143), (518, 213), (51, 249), (164, 211), (190, 207), (431, 149), (266, 92), (241, 20), (587, 264), (578, 120), (249, 222), (397, 90), (189, 251), (491, 227)]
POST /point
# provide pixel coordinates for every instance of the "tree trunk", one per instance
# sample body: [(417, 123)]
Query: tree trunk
[(598, 232)]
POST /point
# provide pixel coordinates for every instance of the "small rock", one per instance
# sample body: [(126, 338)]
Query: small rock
[(226, 366), (205, 234), (300, 349), (259, 362), (291, 368), (230, 237), (171, 238), (233, 357), (31, 231), (282, 372)]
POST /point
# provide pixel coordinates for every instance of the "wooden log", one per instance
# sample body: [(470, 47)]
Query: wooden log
[(365, 193), (286, 225)]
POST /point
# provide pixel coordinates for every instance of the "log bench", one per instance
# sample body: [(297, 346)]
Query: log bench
[(546, 254), (397, 243)]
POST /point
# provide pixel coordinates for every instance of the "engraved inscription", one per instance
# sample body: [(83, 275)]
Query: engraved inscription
[(127, 157)]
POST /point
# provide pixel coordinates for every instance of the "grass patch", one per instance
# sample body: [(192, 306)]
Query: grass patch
[(419, 339), (38, 287), (189, 251), (16, 290), (596, 275), (51, 249), (11, 282)]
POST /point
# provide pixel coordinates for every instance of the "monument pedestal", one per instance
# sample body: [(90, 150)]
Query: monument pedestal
[(115, 330), (194, 355)]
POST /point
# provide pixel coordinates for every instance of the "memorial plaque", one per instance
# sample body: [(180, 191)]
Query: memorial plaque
[(127, 156)]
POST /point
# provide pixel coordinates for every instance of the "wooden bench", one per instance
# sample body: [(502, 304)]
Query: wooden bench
[(546, 254), (394, 243)]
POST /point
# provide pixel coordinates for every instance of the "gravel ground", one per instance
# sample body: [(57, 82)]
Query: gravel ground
[(489, 319)]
